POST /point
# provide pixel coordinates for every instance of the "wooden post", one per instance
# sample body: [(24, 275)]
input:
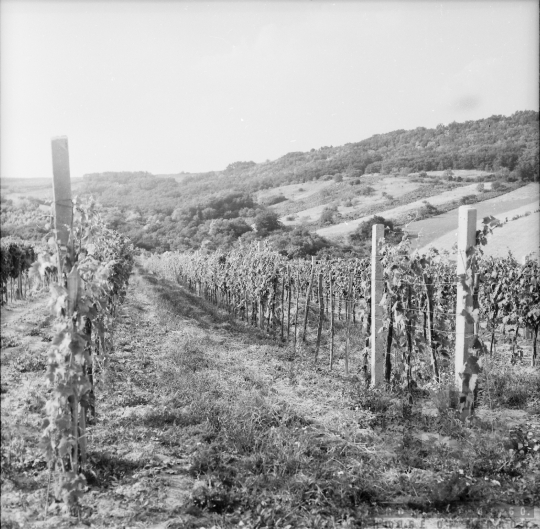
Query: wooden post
[(464, 330), (331, 320), (348, 323), (321, 315), (429, 327), (528, 335), (296, 309), (63, 206), (378, 352), (289, 297), (308, 295), (282, 301)]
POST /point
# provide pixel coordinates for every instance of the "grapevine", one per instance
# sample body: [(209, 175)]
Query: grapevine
[(95, 272)]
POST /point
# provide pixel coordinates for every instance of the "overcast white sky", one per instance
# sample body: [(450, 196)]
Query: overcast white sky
[(174, 86)]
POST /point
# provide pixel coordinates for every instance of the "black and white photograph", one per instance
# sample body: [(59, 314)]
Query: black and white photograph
[(270, 264)]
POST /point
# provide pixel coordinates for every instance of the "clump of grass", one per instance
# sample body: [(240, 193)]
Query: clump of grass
[(33, 400), (509, 386), (375, 399), (444, 397), (8, 341), (30, 361), (132, 399), (105, 469), (190, 355)]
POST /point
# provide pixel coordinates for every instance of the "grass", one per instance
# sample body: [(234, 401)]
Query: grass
[(505, 385), (263, 460)]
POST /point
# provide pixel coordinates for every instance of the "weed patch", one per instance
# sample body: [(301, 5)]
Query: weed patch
[(104, 469), (30, 362), (509, 386)]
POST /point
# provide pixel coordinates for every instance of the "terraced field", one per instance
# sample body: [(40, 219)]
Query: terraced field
[(344, 228), (386, 189), (520, 236)]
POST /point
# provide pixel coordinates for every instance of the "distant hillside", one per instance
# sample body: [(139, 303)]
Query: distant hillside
[(213, 209)]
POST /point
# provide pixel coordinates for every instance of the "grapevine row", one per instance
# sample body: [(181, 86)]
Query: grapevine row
[(284, 298), (16, 258), (93, 277)]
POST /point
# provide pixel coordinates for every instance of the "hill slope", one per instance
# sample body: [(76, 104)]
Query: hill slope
[(216, 208)]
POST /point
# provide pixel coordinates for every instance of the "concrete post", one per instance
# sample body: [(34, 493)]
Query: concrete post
[(63, 207), (377, 312), (464, 330)]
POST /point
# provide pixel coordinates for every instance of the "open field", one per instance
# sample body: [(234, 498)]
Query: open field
[(439, 231), (520, 236), (345, 228), (392, 186), (294, 192), (40, 188), (463, 173)]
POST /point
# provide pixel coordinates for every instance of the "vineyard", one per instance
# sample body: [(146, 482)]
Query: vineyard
[(309, 302), (16, 259), (245, 389)]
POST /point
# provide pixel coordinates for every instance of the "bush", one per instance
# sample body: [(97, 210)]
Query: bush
[(266, 222), (427, 210), (338, 178), (364, 230), (497, 186), (505, 385), (366, 191), (468, 199), (327, 215), (480, 188), (270, 201)]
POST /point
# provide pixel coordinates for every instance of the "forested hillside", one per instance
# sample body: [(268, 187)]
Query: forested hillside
[(217, 208)]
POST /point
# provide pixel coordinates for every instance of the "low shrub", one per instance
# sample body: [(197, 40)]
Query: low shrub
[(274, 200), (366, 191), (30, 361), (505, 385), (467, 199)]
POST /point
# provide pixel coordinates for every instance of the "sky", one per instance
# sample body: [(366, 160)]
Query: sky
[(172, 86)]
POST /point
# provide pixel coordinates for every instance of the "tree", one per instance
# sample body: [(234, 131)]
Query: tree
[(266, 222), (338, 178), (327, 215), (363, 232)]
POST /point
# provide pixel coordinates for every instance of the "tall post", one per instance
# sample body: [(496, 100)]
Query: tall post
[(63, 208), (331, 319), (464, 330), (308, 296), (377, 312), (321, 315), (348, 305)]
